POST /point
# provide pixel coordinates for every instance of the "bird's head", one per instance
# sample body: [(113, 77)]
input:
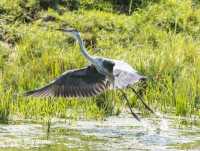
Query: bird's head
[(72, 32)]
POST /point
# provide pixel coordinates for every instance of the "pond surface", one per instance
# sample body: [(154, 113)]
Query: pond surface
[(115, 133)]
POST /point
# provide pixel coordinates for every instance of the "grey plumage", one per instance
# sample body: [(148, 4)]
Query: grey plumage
[(75, 83), (101, 75), (88, 82), (125, 75)]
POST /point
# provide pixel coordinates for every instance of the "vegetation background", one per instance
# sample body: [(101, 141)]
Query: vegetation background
[(159, 38)]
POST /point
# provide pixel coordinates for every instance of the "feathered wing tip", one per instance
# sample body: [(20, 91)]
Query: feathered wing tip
[(84, 82), (43, 92), (60, 91)]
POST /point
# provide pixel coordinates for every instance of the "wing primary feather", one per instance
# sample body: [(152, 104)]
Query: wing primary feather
[(75, 83), (45, 92), (98, 88), (37, 92), (65, 91), (72, 92), (82, 92), (79, 92), (102, 86), (93, 90), (69, 91), (87, 93), (90, 91)]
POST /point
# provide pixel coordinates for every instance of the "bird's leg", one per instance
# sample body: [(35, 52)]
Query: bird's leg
[(125, 97), (141, 99)]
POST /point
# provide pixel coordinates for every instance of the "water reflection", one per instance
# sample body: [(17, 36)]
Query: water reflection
[(115, 133)]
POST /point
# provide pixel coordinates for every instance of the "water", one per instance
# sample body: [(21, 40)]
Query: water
[(115, 133)]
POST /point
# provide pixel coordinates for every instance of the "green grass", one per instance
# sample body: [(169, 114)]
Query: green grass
[(160, 40)]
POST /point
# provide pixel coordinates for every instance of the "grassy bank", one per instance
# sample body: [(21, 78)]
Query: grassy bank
[(160, 39)]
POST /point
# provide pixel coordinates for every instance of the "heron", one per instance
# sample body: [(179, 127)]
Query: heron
[(100, 75)]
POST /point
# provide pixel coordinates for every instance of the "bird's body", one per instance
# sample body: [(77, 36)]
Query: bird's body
[(88, 81), (103, 74), (125, 75)]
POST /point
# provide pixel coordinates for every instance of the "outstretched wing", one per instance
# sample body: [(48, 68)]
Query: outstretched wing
[(125, 75), (76, 83)]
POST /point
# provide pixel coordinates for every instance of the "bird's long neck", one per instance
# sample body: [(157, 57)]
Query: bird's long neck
[(84, 50)]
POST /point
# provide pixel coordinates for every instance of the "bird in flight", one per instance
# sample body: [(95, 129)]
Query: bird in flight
[(102, 74)]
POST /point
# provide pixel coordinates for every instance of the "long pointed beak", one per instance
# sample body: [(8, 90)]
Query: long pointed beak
[(67, 30), (64, 30)]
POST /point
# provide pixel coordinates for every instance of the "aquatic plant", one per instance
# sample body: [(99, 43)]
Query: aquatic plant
[(161, 40)]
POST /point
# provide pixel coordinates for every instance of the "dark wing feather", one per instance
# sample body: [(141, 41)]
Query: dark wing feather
[(76, 83)]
